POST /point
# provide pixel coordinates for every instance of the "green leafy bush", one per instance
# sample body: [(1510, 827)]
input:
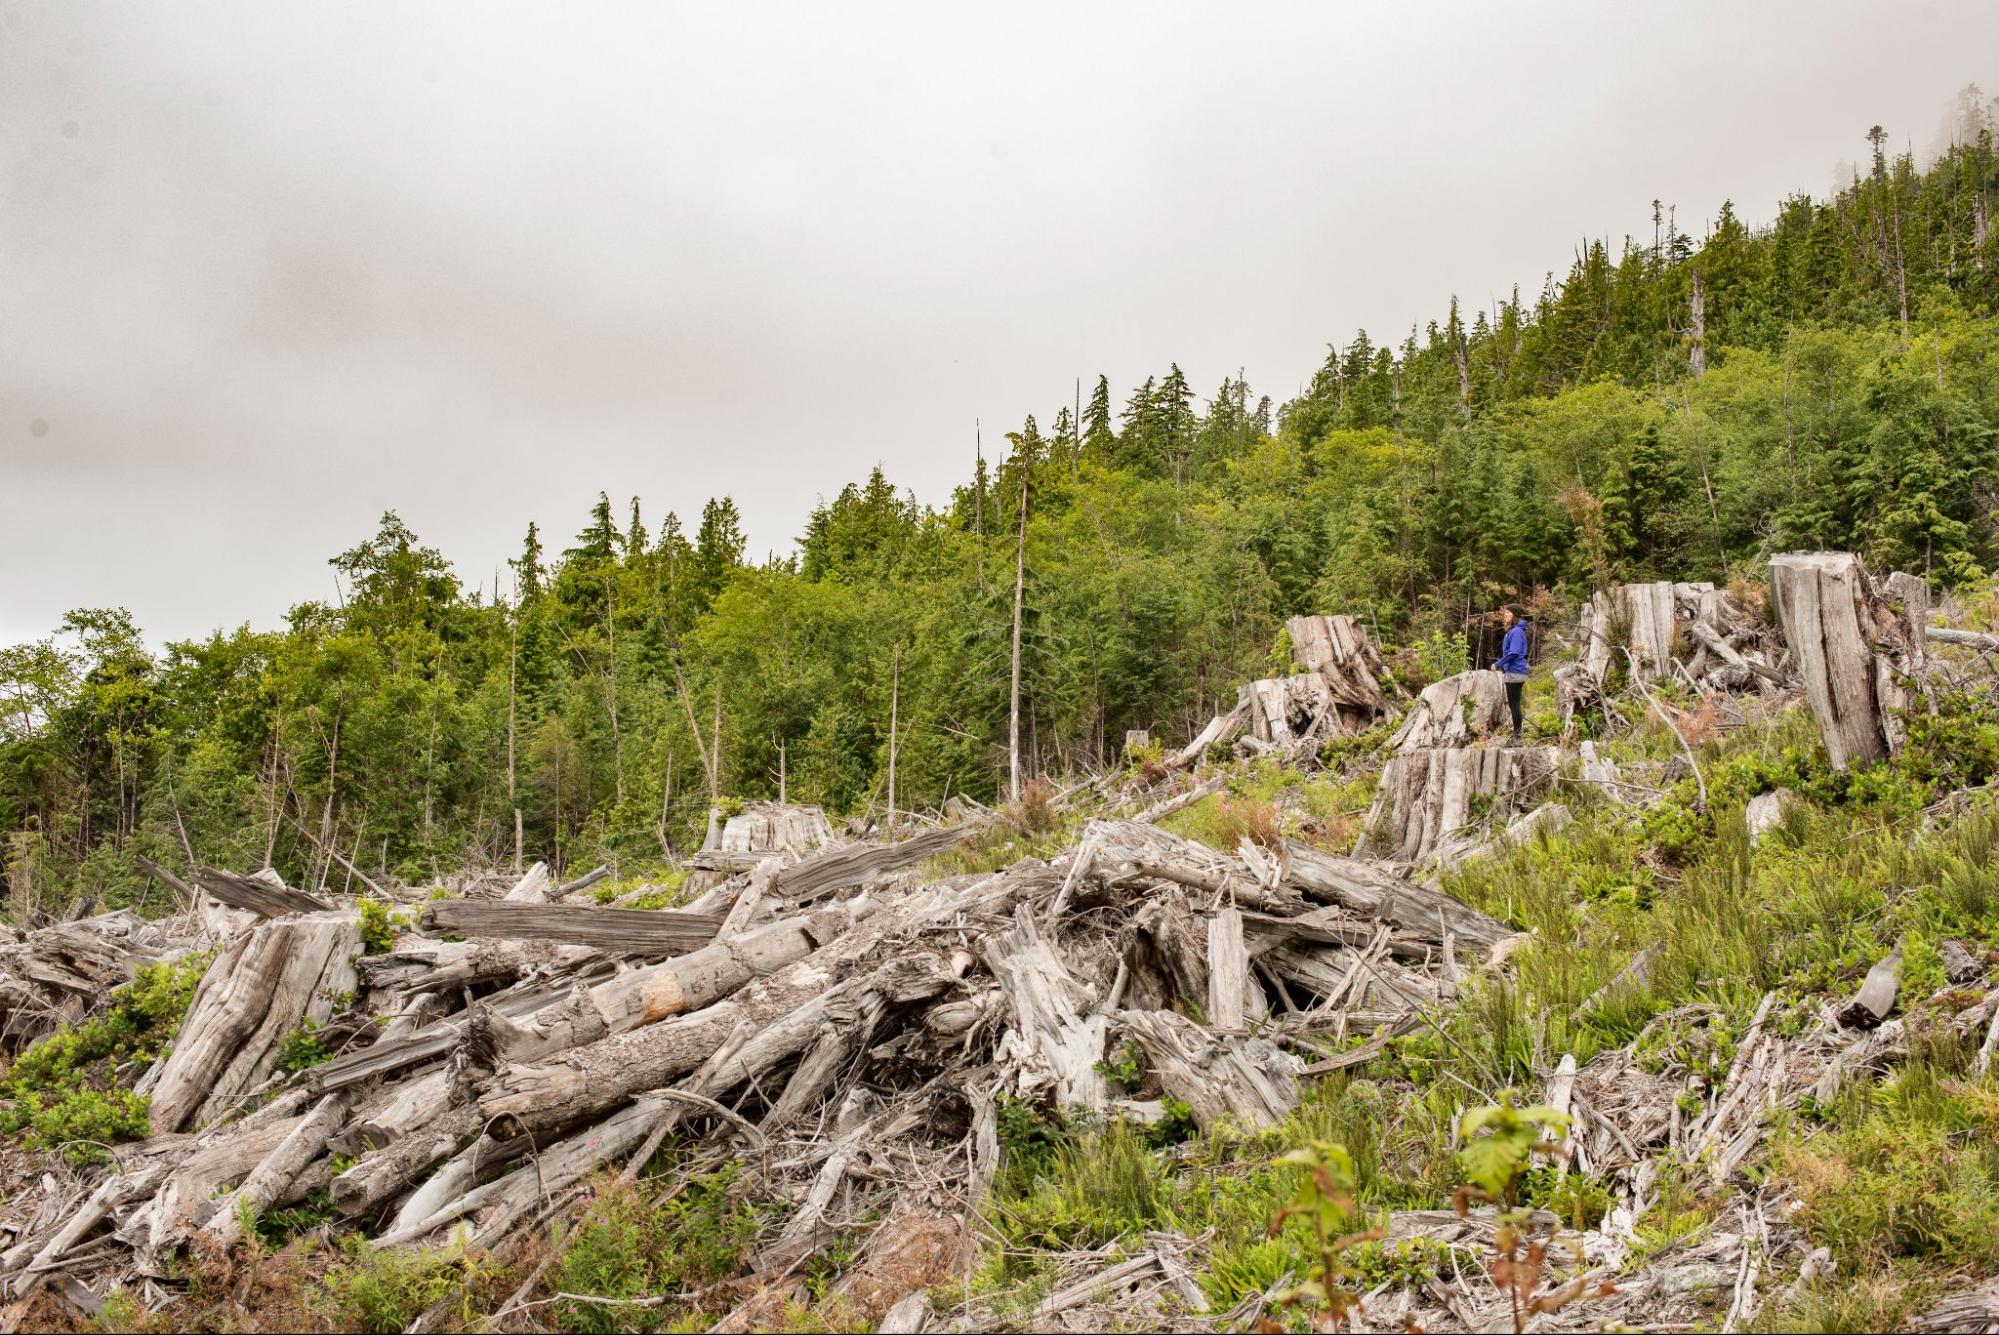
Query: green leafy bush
[(61, 1093)]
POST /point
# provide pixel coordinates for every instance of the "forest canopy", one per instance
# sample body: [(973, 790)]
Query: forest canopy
[(1668, 407)]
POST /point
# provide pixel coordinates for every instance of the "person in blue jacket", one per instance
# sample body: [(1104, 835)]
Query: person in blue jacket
[(1512, 664)]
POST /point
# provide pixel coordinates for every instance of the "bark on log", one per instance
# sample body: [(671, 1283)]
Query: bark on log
[(1856, 651), (618, 931)]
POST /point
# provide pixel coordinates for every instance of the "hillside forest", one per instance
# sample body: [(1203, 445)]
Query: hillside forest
[(1820, 374)]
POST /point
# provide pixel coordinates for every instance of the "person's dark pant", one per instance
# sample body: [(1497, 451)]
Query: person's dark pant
[(1513, 690)]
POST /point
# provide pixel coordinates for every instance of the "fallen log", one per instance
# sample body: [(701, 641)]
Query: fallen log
[(1220, 729), (851, 866), (1969, 639), (269, 897), (275, 1173), (1369, 890), (618, 931)]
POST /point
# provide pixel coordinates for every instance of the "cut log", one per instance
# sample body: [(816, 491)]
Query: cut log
[(1371, 891), (1857, 651), (433, 965), (388, 1172), (1423, 802), (853, 865), (269, 1180), (1055, 1034), (267, 896), (785, 1012), (1234, 998), (617, 931), (632, 999), (1456, 711)]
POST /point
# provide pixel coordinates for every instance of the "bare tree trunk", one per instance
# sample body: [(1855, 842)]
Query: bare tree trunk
[(715, 740), (617, 734), (1697, 326), (894, 702), (1019, 590), (513, 782)]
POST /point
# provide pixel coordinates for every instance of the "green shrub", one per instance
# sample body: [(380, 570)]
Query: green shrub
[(628, 1246), (62, 1090)]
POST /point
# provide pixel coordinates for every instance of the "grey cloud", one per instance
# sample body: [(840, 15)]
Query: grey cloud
[(266, 271)]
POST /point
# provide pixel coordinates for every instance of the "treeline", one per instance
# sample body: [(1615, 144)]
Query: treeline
[(1684, 408)]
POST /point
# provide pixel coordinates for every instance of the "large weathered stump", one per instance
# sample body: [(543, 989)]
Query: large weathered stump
[(1857, 648)]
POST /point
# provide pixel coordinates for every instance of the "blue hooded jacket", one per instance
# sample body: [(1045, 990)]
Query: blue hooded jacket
[(1513, 650)]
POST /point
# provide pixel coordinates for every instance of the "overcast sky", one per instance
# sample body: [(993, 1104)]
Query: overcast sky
[(269, 270)]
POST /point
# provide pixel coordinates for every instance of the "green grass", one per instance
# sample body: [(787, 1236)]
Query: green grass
[(1899, 1179)]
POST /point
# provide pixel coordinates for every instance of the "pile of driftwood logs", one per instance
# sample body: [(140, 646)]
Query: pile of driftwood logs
[(835, 1017), (846, 1019)]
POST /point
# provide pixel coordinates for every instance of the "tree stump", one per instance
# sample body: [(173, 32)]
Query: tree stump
[(1454, 712), (269, 983), (1857, 648), (1424, 804), (1338, 650)]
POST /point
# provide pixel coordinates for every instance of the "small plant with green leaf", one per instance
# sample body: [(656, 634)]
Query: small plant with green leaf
[(1325, 1200), (1501, 1144)]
